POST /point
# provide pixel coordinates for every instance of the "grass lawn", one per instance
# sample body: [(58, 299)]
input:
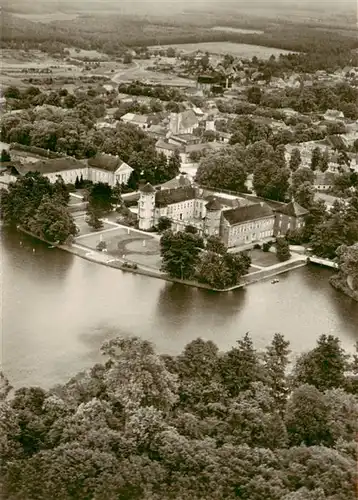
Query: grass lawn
[(86, 229), (136, 247), (222, 48), (263, 259)]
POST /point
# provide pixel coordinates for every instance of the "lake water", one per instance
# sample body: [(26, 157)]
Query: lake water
[(57, 309)]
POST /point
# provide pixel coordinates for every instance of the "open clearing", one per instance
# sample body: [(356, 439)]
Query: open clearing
[(263, 259), (221, 48), (47, 18), (137, 247), (137, 71), (228, 29)]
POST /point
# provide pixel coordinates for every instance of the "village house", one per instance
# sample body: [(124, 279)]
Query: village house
[(333, 115), (167, 148), (141, 121), (324, 181), (236, 220), (183, 123)]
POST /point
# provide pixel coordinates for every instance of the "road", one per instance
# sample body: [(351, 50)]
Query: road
[(123, 74)]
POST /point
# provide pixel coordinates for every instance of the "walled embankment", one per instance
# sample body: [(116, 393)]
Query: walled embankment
[(104, 259)]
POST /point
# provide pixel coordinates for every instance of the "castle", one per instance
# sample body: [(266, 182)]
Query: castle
[(236, 220)]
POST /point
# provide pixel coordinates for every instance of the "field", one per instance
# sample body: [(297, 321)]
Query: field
[(227, 29), (221, 48), (86, 54), (135, 246), (47, 18), (263, 259), (137, 71)]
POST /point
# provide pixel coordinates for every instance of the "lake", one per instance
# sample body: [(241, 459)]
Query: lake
[(57, 309)]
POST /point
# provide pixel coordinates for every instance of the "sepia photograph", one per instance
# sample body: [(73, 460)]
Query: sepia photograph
[(179, 250)]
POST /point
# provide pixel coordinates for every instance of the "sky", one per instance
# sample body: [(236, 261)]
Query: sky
[(171, 6)]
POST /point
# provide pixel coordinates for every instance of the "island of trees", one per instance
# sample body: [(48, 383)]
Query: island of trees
[(205, 425)]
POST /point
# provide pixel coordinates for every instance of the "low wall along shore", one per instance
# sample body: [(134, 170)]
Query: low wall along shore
[(101, 258)]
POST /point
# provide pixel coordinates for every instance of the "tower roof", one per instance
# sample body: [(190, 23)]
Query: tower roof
[(148, 188), (213, 205)]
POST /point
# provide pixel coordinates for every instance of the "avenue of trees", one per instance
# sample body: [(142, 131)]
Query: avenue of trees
[(38, 206), (203, 424), (186, 256)]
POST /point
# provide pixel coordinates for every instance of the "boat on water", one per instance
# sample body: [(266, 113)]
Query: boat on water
[(273, 282)]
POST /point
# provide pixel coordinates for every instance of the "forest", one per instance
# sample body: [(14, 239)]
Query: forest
[(205, 425), (113, 34)]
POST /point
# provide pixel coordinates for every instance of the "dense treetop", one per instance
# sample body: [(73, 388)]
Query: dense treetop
[(203, 424)]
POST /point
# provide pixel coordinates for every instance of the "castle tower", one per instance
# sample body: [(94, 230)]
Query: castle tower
[(212, 218), (146, 207), (174, 123)]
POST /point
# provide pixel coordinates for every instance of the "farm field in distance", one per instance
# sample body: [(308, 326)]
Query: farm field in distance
[(228, 29), (236, 49), (47, 18)]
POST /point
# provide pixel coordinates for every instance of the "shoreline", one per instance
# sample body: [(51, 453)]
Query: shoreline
[(119, 264), (338, 283)]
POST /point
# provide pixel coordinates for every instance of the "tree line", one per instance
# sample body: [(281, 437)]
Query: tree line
[(186, 256), (36, 205), (203, 424)]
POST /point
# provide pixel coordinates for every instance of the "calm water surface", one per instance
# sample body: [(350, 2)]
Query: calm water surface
[(57, 309)]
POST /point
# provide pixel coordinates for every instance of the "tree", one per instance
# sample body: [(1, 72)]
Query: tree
[(163, 224), (213, 271), (304, 195), (279, 157), (12, 92), (61, 191), (22, 199), (316, 158), (276, 363), (301, 176), (295, 159), (52, 221), (5, 156), (307, 417), (222, 170), (240, 367), (324, 162), (100, 198), (214, 244), (254, 95), (179, 252), (324, 366), (93, 220), (117, 194), (282, 249), (174, 165), (271, 181)]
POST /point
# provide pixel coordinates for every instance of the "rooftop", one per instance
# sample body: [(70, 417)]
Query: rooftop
[(50, 166), (213, 205), (107, 162), (176, 195), (179, 181), (148, 188), (247, 213), (292, 209)]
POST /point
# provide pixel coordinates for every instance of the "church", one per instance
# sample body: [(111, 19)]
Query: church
[(236, 220)]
